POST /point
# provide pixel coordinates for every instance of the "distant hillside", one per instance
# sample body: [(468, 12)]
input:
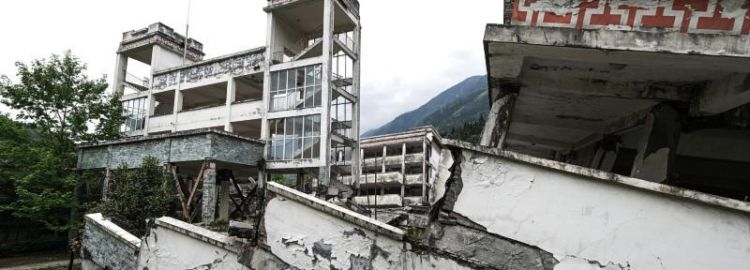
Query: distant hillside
[(455, 112)]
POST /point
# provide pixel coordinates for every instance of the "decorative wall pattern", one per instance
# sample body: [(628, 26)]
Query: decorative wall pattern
[(232, 66), (686, 16)]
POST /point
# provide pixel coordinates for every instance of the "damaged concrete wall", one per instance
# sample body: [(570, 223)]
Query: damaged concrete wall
[(308, 239), (307, 233), (589, 223), (107, 246), (173, 244)]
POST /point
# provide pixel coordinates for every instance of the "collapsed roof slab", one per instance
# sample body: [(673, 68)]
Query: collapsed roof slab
[(180, 147), (591, 82)]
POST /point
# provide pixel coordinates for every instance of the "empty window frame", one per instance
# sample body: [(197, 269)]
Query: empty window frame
[(295, 138), (296, 88), (135, 114), (341, 117)]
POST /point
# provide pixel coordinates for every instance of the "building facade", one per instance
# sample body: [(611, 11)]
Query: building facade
[(299, 93)]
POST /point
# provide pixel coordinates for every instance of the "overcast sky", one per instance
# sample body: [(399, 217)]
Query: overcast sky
[(411, 51)]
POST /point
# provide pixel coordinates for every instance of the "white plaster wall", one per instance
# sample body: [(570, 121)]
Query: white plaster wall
[(603, 225), (162, 58), (167, 249), (293, 230), (204, 118)]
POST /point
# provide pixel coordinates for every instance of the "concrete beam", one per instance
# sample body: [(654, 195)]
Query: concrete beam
[(549, 82), (673, 45), (535, 141), (724, 94)]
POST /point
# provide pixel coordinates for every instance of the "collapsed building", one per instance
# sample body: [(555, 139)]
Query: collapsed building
[(617, 139)]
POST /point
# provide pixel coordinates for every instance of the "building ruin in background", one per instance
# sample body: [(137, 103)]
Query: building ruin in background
[(617, 139)]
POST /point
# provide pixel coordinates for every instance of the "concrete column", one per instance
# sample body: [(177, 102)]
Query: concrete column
[(385, 154), (359, 169), (325, 117), (224, 200), (356, 69), (121, 68), (403, 171), (177, 103), (109, 177), (656, 154), (231, 97), (208, 210), (424, 171), (498, 121)]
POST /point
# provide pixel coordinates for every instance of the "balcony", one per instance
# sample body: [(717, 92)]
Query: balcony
[(388, 179), (392, 161), (207, 117), (388, 200), (210, 71)]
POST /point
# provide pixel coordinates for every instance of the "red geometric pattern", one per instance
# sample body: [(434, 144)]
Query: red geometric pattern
[(687, 16)]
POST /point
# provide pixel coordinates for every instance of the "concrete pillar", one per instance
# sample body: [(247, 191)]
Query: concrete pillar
[(109, 177), (498, 121), (656, 154), (424, 171), (224, 200), (208, 210), (231, 97), (385, 155), (403, 171), (356, 69), (121, 68), (325, 117)]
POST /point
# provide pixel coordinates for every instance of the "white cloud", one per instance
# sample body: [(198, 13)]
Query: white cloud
[(411, 50)]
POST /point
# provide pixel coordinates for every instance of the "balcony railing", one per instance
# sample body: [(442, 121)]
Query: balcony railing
[(207, 117), (238, 64)]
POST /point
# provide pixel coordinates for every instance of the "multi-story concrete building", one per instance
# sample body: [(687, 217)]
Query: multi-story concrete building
[(397, 169), (299, 93)]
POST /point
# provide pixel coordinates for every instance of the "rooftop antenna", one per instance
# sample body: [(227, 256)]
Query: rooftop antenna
[(187, 32), (184, 56)]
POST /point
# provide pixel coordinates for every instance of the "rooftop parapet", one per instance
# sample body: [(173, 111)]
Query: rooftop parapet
[(351, 5), (161, 34)]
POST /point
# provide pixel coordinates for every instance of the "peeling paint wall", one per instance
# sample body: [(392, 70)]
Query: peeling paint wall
[(588, 223), (308, 239), (186, 246)]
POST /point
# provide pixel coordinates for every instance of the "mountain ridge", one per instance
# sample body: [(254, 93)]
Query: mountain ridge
[(457, 108)]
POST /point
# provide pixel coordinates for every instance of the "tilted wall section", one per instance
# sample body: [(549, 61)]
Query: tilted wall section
[(592, 223), (107, 246)]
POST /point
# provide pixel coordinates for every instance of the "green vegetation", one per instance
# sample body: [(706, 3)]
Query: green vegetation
[(139, 194), (56, 106), (454, 112), (469, 132)]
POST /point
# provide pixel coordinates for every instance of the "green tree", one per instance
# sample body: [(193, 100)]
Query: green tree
[(60, 106), (139, 194)]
